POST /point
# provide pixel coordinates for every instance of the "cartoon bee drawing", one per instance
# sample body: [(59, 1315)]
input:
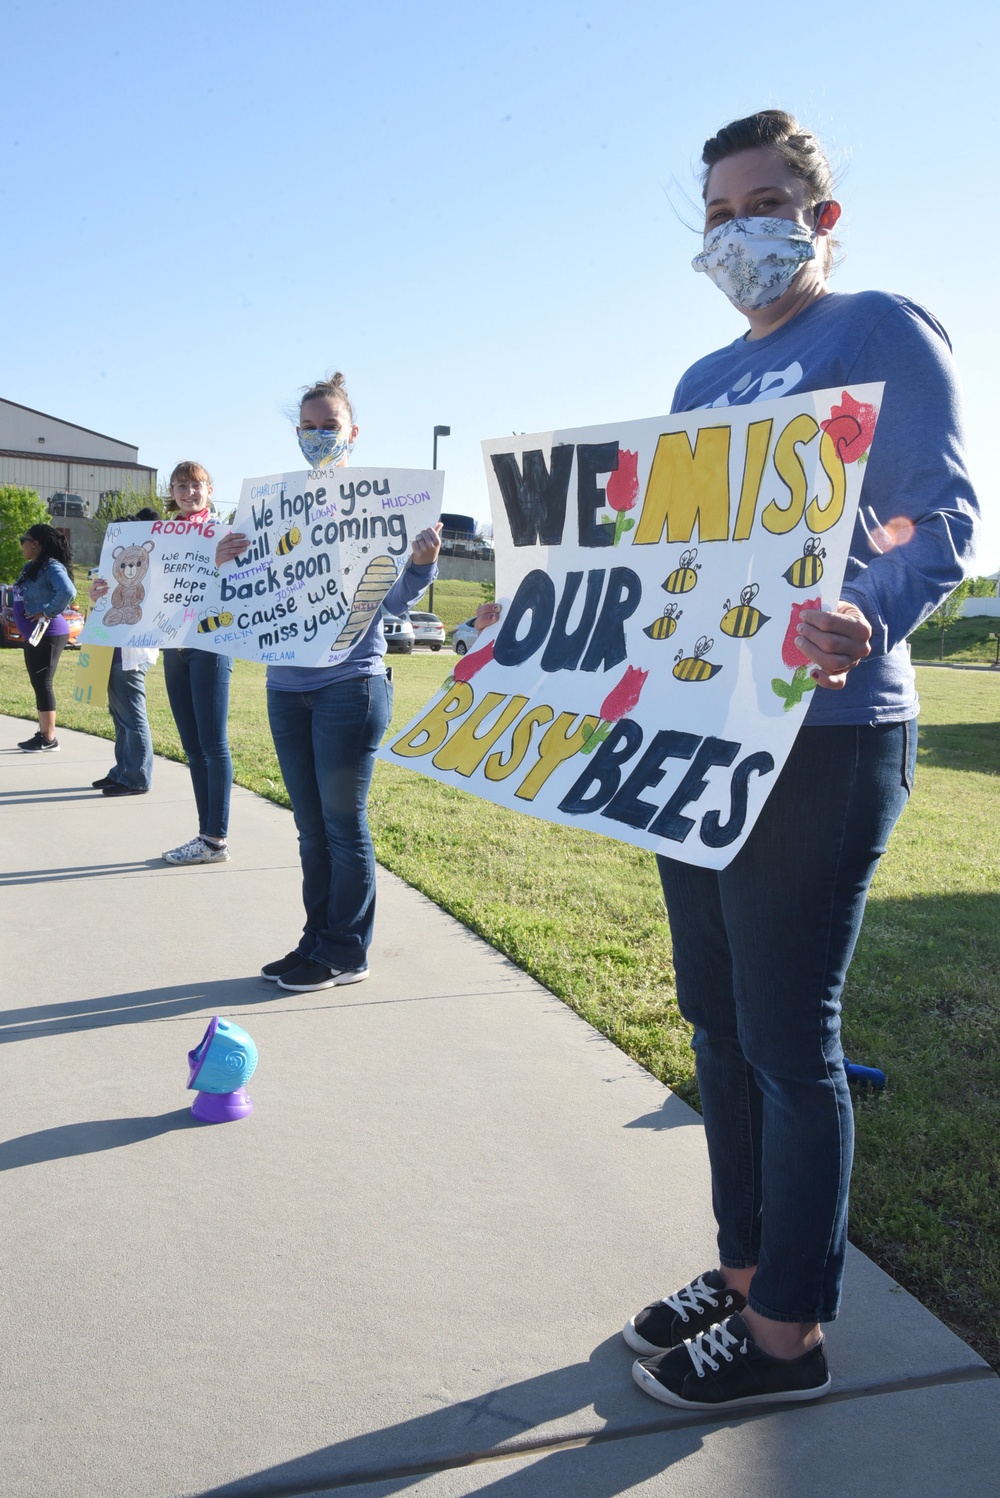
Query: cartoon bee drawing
[(808, 568), (288, 541), (663, 628), (743, 620), (685, 574), (211, 622), (692, 667)]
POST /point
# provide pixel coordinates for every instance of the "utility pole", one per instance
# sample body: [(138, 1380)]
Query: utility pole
[(438, 432)]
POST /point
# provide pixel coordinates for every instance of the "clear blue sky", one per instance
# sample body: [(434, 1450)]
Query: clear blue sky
[(471, 209)]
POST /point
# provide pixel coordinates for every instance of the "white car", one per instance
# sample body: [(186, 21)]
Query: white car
[(398, 634), (465, 636), (427, 629)]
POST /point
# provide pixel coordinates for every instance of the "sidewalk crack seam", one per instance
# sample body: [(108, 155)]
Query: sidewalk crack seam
[(318, 1484)]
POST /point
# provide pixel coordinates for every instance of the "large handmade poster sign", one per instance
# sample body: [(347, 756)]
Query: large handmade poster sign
[(323, 550), (643, 680)]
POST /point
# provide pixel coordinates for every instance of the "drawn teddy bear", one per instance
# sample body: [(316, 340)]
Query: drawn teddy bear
[(130, 565)]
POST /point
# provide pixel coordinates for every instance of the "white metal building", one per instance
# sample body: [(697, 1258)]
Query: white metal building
[(973, 607), (61, 460)]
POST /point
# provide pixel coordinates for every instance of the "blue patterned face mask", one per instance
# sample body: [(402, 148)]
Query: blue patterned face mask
[(754, 260), (323, 449)]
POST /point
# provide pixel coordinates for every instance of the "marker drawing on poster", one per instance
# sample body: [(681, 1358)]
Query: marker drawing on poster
[(90, 680), (643, 680), (324, 549)]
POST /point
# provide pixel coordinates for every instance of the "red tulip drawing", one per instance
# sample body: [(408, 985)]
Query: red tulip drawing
[(619, 701), (466, 668), (850, 427), (622, 491), (790, 652), (792, 692)]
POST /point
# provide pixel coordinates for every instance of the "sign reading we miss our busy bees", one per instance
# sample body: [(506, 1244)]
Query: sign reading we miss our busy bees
[(323, 549), (643, 680)]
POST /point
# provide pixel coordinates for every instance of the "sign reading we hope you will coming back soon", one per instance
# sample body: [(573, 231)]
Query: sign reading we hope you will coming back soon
[(324, 547), (643, 680)]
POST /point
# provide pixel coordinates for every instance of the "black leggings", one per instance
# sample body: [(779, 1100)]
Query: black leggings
[(41, 661)]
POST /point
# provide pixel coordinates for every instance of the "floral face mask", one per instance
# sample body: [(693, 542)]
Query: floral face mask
[(322, 449), (754, 260)]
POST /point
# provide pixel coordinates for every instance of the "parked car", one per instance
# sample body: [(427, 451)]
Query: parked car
[(68, 504), (11, 635), (465, 636), (427, 629), (398, 634), (76, 623)]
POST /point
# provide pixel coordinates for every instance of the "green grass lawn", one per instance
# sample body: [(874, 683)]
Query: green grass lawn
[(583, 914), (967, 641)]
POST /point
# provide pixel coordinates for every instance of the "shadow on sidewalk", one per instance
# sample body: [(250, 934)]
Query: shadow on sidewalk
[(437, 1441), (82, 871), (673, 1113), (89, 1138), (57, 795), (136, 1008)]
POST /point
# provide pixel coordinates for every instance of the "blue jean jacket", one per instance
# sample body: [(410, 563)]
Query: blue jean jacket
[(48, 593)]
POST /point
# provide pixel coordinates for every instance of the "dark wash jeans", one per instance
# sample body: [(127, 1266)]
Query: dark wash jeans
[(133, 742), (198, 691), (761, 952), (326, 743)]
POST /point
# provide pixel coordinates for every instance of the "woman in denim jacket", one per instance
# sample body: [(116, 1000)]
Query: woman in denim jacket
[(42, 591)]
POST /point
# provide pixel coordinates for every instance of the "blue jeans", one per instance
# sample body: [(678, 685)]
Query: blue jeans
[(198, 692), (761, 952), (326, 743), (133, 742)]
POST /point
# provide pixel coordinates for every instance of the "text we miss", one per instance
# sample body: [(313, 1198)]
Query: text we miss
[(689, 486)]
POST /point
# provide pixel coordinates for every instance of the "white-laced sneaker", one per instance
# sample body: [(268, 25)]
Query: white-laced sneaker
[(674, 1319), (197, 851), (725, 1368)]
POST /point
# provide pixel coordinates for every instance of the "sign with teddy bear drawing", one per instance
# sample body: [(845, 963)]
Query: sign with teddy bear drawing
[(323, 549), (643, 680)]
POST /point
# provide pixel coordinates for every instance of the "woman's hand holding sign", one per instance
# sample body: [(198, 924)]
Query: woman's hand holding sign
[(230, 547), (487, 614), (835, 642), (426, 545)]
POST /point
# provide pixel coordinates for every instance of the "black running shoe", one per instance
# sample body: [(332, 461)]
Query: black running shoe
[(36, 742), (725, 1369), (670, 1321), (308, 976), (276, 970)]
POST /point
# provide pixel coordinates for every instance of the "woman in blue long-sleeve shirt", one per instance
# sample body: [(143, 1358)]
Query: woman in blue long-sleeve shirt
[(327, 723), (762, 948)]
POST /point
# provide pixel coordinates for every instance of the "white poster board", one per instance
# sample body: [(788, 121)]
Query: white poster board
[(324, 549), (643, 680)]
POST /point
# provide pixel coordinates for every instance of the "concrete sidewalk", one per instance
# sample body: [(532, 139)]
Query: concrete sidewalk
[(417, 1252)]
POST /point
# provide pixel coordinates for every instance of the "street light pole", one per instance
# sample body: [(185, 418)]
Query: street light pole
[(438, 432)]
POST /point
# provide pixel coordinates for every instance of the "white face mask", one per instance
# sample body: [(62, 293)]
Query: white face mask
[(754, 260)]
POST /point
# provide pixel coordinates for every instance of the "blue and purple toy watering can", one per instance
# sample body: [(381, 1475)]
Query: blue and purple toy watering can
[(221, 1063)]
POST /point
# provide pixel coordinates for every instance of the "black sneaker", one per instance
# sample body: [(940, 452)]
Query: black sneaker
[(36, 742), (104, 780), (276, 970), (115, 788), (724, 1368), (668, 1322), (309, 976)]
